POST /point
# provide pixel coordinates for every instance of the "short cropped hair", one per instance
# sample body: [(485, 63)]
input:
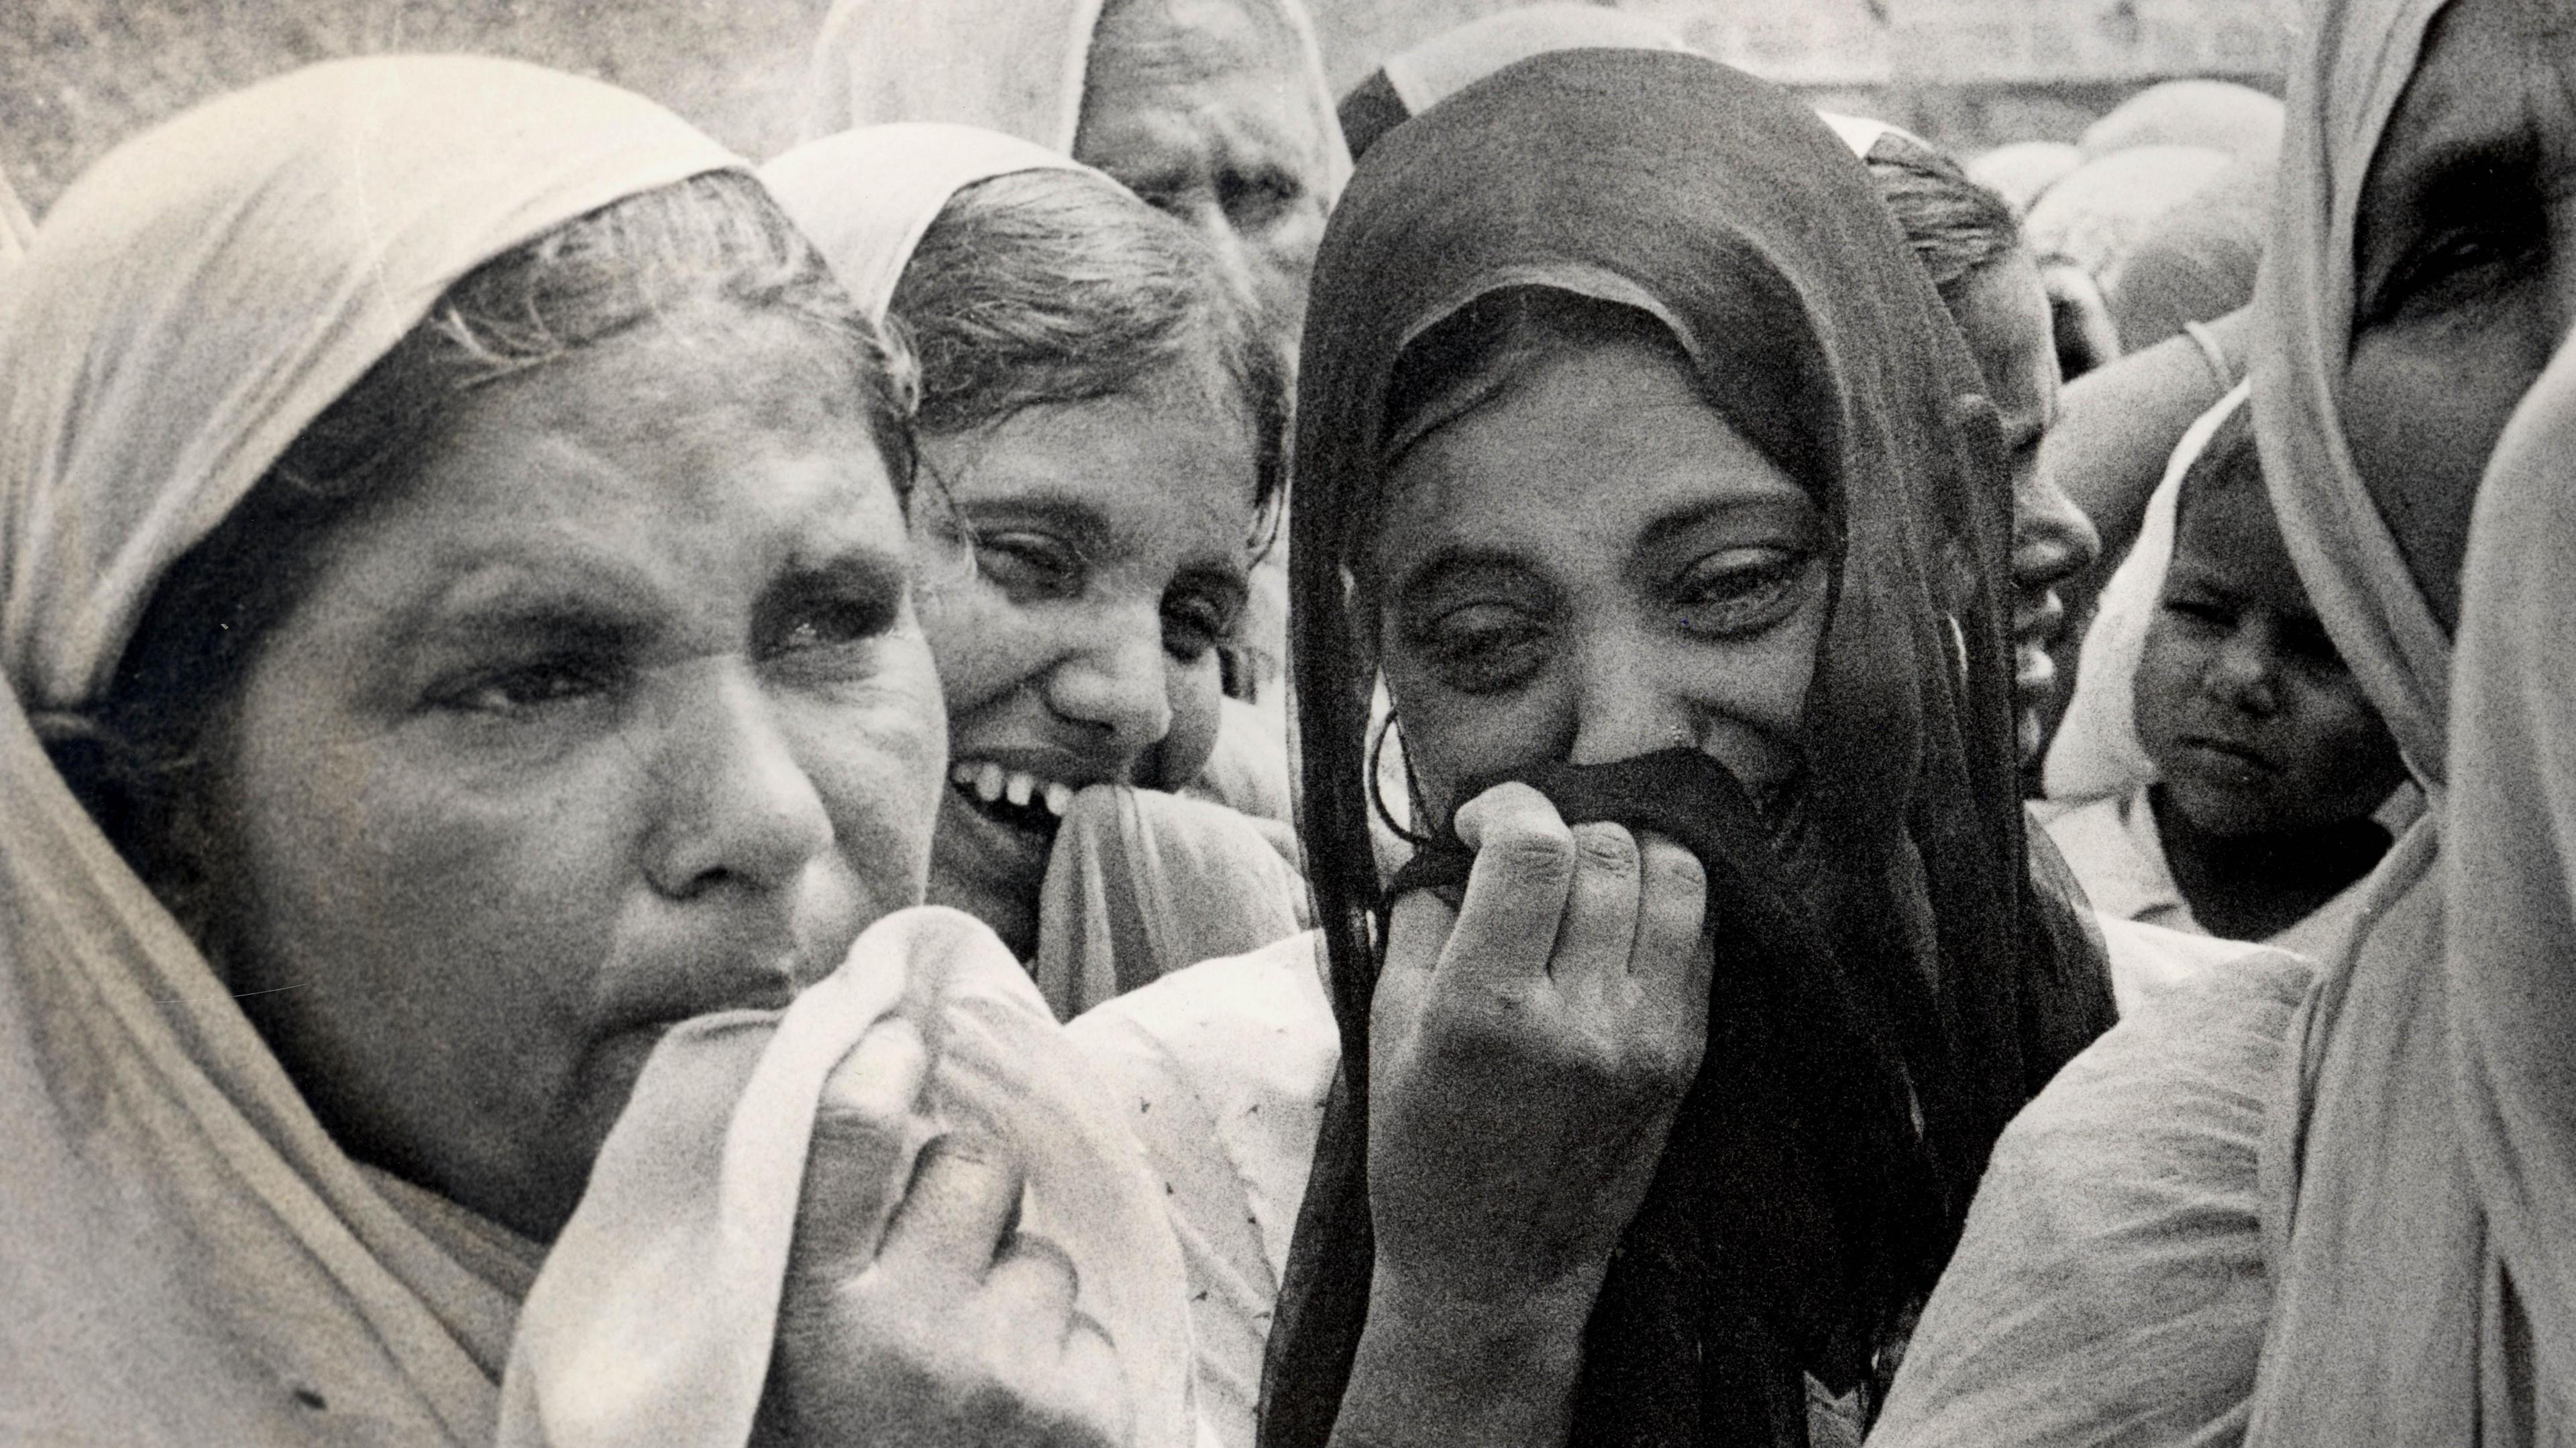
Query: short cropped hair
[(1047, 287), (1956, 227)]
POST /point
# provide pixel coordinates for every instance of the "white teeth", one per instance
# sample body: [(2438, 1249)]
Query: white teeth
[(992, 783)]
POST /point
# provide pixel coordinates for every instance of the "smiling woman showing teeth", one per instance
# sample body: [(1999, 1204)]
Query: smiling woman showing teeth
[(1101, 444)]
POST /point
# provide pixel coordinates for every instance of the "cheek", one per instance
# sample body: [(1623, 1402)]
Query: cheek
[(1198, 710), (2422, 410), (984, 647), (2168, 674), (876, 758), (370, 857), (2341, 746)]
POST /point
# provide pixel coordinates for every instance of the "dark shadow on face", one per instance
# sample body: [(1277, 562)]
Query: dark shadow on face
[(2464, 276)]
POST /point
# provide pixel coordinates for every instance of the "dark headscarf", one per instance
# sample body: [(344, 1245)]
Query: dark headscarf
[(1889, 961)]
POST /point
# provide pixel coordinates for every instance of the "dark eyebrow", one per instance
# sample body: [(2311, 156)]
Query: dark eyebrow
[(874, 575), (2452, 176), (1451, 567), (1798, 514), (513, 600), (1234, 583), (1067, 513)]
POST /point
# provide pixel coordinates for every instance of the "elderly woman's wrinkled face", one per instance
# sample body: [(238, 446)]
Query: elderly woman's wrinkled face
[(1201, 107), (615, 714), (2464, 274), (1108, 555), (1594, 565)]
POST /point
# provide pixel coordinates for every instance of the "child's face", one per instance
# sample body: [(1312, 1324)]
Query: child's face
[(2242, 702)]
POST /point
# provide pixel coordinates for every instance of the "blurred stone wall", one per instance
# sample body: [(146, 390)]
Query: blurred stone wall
[(77, 75)]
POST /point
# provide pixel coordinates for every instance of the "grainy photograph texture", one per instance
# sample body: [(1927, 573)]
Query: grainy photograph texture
[(1287, 723)]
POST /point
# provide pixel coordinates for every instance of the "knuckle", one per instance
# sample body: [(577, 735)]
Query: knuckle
[(1607, 848), (1532, 854), (1673, 869)]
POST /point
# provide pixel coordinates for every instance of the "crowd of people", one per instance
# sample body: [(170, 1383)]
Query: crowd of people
[(1123, 754)]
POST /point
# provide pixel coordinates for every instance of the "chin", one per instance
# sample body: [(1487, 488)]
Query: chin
[(1013, 915)]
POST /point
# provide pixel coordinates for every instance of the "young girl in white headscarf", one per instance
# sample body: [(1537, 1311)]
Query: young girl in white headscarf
[(1104, 427)]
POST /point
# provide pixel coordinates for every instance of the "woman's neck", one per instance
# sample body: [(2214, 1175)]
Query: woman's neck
[(2253, 887)]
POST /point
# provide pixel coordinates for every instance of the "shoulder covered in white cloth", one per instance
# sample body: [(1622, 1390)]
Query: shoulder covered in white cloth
[(2110, 1288), (1221, 1070)]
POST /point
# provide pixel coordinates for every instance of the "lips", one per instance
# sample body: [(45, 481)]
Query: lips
[(2228, 758)]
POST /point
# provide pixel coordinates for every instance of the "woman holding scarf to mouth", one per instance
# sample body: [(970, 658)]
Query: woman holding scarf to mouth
[(1645, 466)]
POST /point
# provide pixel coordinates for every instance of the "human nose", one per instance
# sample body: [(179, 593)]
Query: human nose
[(1114, 678), (1622, 708), (2240, 671), (737, 806), (2052, 538)]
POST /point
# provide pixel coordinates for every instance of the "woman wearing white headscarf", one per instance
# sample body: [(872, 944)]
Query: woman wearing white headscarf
[(396, 693), (2323, 1215), (1215, 111), (1096, 394)]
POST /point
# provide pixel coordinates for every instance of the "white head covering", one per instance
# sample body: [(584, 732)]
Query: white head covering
[(1447, 63), (1141, 882), (2096, 754), (190, 1257), (866, 197), (2509, 869), (205, 293), (2237, 119), (2023, 171), (16, 230), (1015, 66), (1863, 134), (2395, 1163), (2102, 209)]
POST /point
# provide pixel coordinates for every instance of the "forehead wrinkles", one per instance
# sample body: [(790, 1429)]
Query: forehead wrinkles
[(1184, 42)]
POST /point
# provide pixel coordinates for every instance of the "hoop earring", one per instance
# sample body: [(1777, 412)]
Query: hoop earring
[(1377, 796)]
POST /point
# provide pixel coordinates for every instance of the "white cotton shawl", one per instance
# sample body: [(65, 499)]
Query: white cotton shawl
[(866, 197), (1015, 66), (16, 230), (2509, 879), (2392, 1208), (1429, 73), (190, 1258)]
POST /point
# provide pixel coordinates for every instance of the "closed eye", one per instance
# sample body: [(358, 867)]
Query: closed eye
[(524, 688), (1744, 590), (1483, 647)]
